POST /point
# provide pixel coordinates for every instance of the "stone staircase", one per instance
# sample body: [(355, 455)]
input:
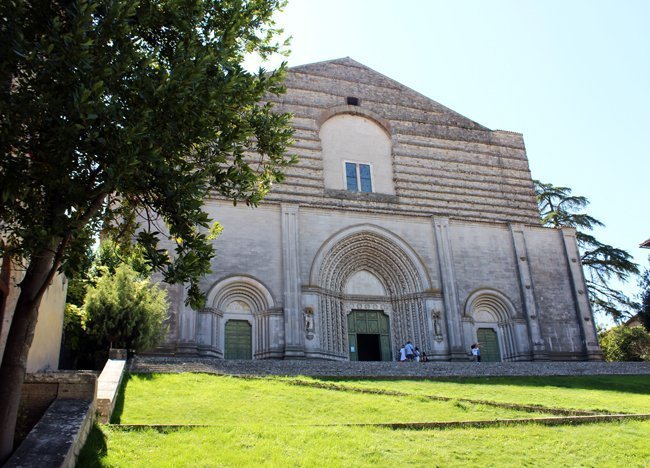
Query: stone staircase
[(411, 370)]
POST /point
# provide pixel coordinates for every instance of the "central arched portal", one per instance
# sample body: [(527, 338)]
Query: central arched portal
[(369, 335), (371, 293)]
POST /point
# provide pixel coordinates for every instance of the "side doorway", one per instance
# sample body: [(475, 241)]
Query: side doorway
[(489, 342), (238, 340), (369, 336)]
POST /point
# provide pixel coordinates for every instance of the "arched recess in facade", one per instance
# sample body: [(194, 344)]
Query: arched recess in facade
[(239, 298), (390, 260), (488, 308)]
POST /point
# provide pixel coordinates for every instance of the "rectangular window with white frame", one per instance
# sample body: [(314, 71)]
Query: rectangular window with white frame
[(358, 177)]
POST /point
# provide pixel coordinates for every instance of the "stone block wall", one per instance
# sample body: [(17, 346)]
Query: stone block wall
[(450, 232), (443, 163), (42, 389)]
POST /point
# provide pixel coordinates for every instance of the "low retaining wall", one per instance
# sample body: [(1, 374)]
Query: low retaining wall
[(60, 406), (108, 384), (41, 389), (58, 410), (58, 437)]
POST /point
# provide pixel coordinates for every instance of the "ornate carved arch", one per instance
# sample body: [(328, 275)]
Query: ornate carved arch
[(488, 307), (369, 247), (240, 288), (492, 302)]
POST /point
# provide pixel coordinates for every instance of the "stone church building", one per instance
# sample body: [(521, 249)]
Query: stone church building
[(403, 220)]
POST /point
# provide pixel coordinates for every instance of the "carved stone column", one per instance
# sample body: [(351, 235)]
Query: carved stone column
[(450, 295), (293, 318)]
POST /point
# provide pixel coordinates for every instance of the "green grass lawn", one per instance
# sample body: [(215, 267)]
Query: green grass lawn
[(208, 399), (270, 422), (623, 393)]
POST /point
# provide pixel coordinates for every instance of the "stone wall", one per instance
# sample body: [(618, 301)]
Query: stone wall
[(449, 238), (443, 163), (41, 389), (44, 350)]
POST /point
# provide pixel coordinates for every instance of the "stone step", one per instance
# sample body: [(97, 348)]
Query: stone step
[(318, 368)]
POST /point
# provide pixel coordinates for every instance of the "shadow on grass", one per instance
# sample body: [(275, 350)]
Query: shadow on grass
[(94, 449), (119, 402), (638, 384)]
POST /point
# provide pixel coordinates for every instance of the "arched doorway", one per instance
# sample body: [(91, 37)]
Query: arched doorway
[(369, 335), (490, 321), (238, 340), (234, 300), (489, 345), (367, 268)]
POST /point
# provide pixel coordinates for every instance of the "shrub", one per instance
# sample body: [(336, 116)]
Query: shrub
[(126, 311), (624, 343)]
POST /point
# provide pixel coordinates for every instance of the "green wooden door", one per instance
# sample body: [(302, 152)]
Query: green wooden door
[(489, 343), (238, 340), (369, 329)]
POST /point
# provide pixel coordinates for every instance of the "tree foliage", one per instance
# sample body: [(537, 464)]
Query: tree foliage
[(125, 311), (117, 111), (623, 343), (85, 342), (602, 262), (114, 109)]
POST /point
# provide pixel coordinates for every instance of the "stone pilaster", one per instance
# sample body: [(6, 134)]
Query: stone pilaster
[(187, 324), (527, 290), (450, 295), (584, 315), (293, 318)]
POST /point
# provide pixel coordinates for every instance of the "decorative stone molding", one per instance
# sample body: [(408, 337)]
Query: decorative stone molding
[(492, 302), (365, 196), (371, 241), (212, 310), (240, 288), (354, 110)]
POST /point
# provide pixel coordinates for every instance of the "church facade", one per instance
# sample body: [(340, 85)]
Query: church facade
[(402, 220)]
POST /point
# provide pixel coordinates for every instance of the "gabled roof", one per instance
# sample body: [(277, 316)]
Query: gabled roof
[(365, 74), (645, 245)]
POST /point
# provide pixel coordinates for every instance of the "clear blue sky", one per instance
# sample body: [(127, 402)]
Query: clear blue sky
[(572, 76)]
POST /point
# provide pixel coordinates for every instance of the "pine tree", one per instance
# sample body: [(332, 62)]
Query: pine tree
[(602, 262)]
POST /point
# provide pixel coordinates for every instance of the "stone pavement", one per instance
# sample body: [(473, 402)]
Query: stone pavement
[(410, 370)]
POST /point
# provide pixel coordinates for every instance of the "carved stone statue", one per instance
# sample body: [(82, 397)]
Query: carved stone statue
[(309, 323), (437, 328)]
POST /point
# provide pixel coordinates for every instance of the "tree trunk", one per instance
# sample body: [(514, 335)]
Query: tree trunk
[(19, 340)]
